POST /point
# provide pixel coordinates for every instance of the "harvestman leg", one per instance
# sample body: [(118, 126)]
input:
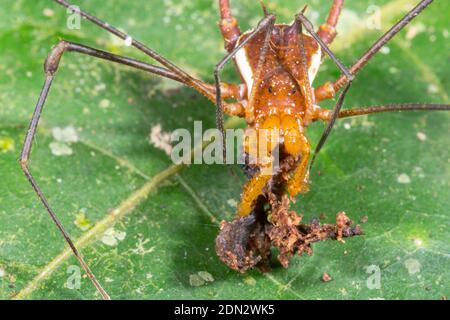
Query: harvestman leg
[(228, 25), (51, 67), (327, 31), (345, 80), (185, 77)]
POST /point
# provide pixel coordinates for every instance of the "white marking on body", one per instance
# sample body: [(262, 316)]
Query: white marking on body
[(245, 69), (315, 64)]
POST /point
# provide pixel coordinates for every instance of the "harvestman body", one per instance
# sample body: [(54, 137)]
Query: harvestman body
[(277, 64)]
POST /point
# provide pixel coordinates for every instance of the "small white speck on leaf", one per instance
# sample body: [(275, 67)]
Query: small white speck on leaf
[(403, 178), (111, 237), (347, 125), (421, 136), (200, 278), (413, 266), (418, 242), (47, 12), (385, 50), (445, 33), (100, 87), (128, 41), (232, 203), (414, 30), (104, 103), (160, 139), (250, 280), (63, 138), (60, 149), (432, 89), (67, 134), (393, 70)]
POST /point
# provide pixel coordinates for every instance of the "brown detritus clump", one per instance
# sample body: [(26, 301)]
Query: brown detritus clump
[(242, 243), (363, 219), (326, 277), (245, 243)]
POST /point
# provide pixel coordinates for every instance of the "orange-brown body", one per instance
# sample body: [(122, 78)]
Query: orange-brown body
[(278, 96)]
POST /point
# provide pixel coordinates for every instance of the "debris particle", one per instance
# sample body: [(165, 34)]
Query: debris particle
[(160, 139), (200, 278), (343, 291), (347, 125), (112, 237), (326, 277), (196, 281), (250, 281), (60, 149), (140, 247), (403, 178), (128, 41), (232, 203), (6, 144), (363, 219), (419, 172), (206, 276), (421, 136), (393, 70), (418, 242), (68, 134), (414, 30), (445, 33), (100, 87), (81, 221), (432, 89), (104, 103), (385, 50), (47, 12), (413, 266)]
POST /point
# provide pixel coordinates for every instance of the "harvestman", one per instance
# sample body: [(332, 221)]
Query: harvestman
[(308, 55)]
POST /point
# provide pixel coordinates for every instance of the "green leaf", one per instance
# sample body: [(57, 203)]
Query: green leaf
[(148, 227)]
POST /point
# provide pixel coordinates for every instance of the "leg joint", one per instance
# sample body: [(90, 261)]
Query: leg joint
[(54, 57)]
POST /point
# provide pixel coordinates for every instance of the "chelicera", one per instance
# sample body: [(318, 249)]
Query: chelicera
[(277, 64)]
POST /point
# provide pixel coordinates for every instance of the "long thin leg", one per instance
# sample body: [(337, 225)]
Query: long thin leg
[(345, 80), (393, 107), (51, 67), (358, 65), (266, 22), (228, 25), (187, 79), (334, 116), (349, 77), (327, 31)]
